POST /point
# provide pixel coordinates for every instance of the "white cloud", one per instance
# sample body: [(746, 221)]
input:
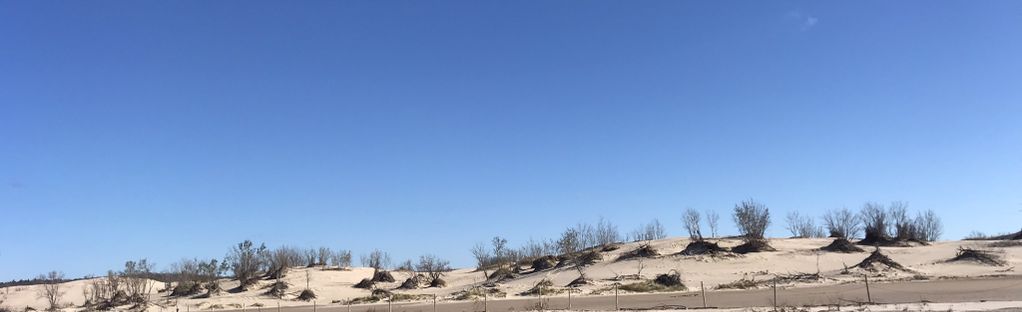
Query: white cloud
[(805, 21), (810, 22)]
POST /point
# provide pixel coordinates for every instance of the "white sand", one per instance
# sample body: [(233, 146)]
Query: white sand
[(793, 256)]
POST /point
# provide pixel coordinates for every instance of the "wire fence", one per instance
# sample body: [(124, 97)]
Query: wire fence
[(864, 292)]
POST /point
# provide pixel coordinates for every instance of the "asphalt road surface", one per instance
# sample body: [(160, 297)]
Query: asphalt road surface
[(958, 290)]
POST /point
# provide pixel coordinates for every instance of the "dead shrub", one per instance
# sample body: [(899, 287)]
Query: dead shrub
[(743, 283), (277, 289), (702, 248), (977, 255), (643, 251), (542, 287), (669, 279), (366, 283), (438, 283), (383, 277), (753, 245), (544, 263), (306, 295), (877, 261), (842, 245)]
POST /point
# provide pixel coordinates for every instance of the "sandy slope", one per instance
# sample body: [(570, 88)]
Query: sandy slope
[(793, 256)]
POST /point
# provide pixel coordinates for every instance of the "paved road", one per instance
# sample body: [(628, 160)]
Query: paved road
[(962, 290)]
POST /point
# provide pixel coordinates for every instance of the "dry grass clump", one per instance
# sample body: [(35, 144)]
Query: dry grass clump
[(438, 283), (701, 247), (743, 283), (375, 296), (409, 297), (1006, 243), (277, 289), (753, 245), (589, 257), (798, 278), (544, 263), (876, 261), (365, 283), (543, 287), (383, 276), (581, 280), (501, 275), (306, 295), (412, 282), (186, 289), (670, 281), (478, 292), (643, 251), (1008, 236), (842, 245), (977, 255), (610, 247)]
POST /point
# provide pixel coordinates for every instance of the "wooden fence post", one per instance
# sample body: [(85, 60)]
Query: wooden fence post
[(703, 289), (775, 295), (869, 297), (617, 306)]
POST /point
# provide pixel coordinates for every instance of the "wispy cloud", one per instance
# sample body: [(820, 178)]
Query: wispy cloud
[(805, 21)]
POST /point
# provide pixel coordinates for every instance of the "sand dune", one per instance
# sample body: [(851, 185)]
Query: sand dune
[(792, 256)]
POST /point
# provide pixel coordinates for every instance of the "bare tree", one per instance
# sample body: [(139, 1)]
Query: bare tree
[(802, 226), (533, 249), (903, 227), (571, 246), (407, 266), (752, 219), (282, 259), (310, 257), (691, 220), (606, 233), (875, 222), (586, 235), (434, 267), (842, 223), (323, 255), (482, 256), (712, 220), (500, 251), (245, 262), (341, 259), (928, 226), (52, 290), (98, 291), (377, 259), (137, 284), (650, 231), (114, 283)]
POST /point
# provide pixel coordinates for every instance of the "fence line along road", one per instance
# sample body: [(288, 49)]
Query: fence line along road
[(956, 290)]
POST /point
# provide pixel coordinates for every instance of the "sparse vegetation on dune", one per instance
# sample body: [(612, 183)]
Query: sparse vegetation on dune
[(267, 274), (987, 257), (1006, 236), (893, 227), (752, 219), (877, 261), (670, 281), (478, 292), (842, 245), (544, 287), (645, 250), (702, 248)]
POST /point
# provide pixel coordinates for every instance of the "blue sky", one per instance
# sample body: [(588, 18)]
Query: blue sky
[(175, 129)]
